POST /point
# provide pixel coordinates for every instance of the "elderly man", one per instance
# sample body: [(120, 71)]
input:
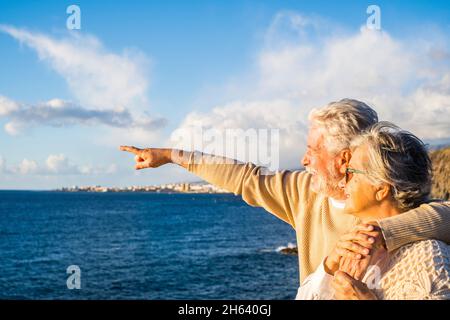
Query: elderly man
[(311, 201)]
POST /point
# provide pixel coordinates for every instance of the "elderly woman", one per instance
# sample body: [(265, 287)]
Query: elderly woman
[(389, 173)]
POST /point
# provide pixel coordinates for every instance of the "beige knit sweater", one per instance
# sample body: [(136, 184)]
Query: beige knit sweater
[(318, 226)]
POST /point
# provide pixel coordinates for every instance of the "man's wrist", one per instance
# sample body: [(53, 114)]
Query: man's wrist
[(167, 155), (177, 156)]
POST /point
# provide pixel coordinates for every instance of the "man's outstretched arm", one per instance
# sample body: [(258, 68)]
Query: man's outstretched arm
[(277, 192)]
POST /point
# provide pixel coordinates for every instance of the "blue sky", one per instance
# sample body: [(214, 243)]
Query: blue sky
[(184, 62)]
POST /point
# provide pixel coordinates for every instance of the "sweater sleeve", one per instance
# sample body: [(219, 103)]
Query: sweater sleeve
[(277, 192), (429, 221)]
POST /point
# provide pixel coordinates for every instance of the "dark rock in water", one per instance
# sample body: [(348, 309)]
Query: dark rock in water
[(289, 250)]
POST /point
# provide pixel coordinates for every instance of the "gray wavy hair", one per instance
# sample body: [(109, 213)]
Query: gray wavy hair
[(342, 121), (400, 159)]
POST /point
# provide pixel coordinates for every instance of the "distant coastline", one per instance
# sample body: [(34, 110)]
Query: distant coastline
[(185, 187)]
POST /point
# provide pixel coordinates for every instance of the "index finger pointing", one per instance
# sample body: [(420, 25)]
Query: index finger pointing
[(130, 149)]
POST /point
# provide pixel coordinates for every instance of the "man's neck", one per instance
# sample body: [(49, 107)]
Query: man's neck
[(338, 195), (337, 204)]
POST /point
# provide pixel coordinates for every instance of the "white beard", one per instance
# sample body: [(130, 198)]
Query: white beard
[(329, 186)]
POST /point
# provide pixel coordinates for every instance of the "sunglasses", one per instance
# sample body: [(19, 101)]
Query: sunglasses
[(349, 173)]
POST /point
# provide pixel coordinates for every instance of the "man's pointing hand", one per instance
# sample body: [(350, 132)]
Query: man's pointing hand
[(150, 157)]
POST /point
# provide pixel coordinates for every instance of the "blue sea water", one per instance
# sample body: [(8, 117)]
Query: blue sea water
[(142, 246)]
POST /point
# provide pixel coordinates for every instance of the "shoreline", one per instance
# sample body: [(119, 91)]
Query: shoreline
[(166, 188)]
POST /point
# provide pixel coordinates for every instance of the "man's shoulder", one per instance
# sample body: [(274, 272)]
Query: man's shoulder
[(307, 197), (302, 177), (303, 180), (299, 177), (297, 185)]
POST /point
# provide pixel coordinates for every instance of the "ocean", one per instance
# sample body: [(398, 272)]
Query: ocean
[(142, 246)]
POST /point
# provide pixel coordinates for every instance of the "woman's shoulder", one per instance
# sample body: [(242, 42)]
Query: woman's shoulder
[(419, 270), (423, 250), (425, 255)]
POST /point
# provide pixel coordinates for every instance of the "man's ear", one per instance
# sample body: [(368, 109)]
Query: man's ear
[(343, 159)]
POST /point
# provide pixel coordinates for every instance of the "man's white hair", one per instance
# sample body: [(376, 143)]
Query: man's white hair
[(342, 121)]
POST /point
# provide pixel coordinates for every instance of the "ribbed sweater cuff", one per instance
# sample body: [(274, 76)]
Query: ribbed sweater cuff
[(388, 230)]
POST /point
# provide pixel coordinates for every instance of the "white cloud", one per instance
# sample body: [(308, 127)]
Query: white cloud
[(97, 78), (14, 128), (91, 170), (110, 169), (59, 164), (143, 136), (304, 65), (57, 113), (405, 79), (109, 88), (55, 164), (2, 165), (208, 131), (7, 106), (28, 167)]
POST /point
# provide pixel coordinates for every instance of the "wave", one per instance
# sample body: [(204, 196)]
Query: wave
[(290, 245), (289, 248)]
